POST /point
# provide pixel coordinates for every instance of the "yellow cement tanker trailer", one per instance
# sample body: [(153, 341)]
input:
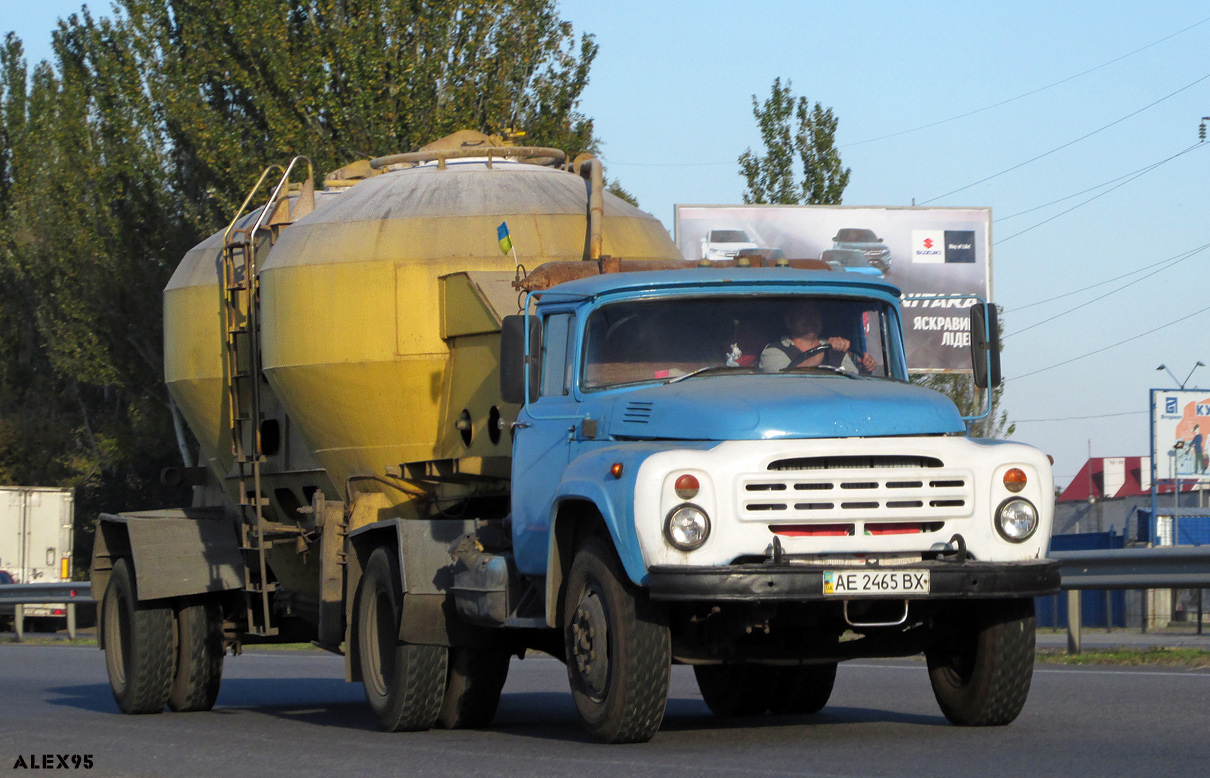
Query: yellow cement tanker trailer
[(335, 353)]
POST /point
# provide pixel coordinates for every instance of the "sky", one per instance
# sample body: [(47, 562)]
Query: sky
[(1061, 104)]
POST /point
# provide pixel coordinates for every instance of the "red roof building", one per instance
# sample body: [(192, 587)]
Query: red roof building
[(1102, 477)]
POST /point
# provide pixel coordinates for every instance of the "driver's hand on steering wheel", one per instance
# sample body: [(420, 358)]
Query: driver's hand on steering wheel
[(838, 344)]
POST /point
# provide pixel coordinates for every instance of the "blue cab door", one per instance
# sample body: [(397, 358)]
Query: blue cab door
[(542, 445)]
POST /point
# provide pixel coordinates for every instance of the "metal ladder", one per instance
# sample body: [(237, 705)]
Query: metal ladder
[(242, 369)]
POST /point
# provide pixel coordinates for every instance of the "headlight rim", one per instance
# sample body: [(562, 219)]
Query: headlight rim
[(671, 541), (998, 519)]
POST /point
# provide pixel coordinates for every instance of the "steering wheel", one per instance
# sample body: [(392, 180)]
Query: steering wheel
[(804, 356)]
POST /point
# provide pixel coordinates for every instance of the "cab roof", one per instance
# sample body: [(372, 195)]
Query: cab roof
[(716, 279)]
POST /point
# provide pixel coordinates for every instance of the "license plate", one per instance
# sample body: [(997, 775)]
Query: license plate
[(858, 583)]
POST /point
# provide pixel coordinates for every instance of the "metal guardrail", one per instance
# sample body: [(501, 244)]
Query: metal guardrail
[(69, 593), (46, 593), (1167, 567)]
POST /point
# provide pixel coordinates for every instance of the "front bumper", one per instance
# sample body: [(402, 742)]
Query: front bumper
[(804, 583)]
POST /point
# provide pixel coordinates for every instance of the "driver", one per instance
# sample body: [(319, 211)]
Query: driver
[(804, 328)]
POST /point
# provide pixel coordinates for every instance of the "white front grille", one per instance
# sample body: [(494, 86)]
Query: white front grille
[(856, 495)]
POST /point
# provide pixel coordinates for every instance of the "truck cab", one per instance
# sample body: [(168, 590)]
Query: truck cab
[(772, 511)]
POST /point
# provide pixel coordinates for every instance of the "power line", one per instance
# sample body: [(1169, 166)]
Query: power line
[(1107, 294), (1106, 348), (942, 121), (1077, 418), (1069, 143), (1134, 176), (1026, 94), (1145, 169), (1183, 255)]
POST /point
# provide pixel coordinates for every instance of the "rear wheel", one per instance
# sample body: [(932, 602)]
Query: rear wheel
[(803, 689), (199, 657), (404, 682), (472, 687), (733, 690), (982, 671), (138, 642), (619, 653)]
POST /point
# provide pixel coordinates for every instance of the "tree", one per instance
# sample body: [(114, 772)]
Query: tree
[(238, 83), (144, 133), (818, 177)]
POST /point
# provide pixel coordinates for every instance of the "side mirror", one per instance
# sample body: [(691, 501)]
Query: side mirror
[(513, 360), (985, 345)]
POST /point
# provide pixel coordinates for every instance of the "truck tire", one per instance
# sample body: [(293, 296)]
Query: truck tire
[(619, 652), (404, 682), (199, 657), (734, 690), (982, 673), (138, 643), (472, 687), (803, 689)]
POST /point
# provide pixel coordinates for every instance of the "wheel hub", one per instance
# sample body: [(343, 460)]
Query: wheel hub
[(590, 641)]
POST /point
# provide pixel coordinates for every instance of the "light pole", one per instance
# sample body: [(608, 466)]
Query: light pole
[(1195, 367)]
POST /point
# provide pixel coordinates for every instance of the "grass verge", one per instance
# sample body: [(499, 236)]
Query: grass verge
[(1153, 656)]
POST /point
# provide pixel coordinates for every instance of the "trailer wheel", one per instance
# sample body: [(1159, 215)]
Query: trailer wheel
[(138, 643), (803, 689), (404, 682), (618, 649), (472, 687), (732, 690), (981, 673), (199, 657)]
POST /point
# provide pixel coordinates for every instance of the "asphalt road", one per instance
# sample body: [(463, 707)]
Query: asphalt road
[(291, 713)]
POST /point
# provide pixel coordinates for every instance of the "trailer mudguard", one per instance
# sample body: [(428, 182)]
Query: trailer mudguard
[(176, 552)]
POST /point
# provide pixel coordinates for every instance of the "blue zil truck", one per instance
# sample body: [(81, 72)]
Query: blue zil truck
[(688, 488), (649, 463)]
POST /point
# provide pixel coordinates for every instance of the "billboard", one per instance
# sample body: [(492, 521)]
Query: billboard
[(926, 252), (1180, 426)]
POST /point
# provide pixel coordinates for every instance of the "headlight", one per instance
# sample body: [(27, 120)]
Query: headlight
[(686, 527), (1016, 519)]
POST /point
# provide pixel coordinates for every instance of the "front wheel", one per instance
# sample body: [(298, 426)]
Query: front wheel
[(404, 682), (736, 690), (982, 671), (803, 689), (619, 653)]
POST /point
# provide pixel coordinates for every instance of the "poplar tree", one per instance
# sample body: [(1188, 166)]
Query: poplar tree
[(801, 165)]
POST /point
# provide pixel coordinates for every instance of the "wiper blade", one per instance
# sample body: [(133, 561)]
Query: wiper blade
[(701, 370)]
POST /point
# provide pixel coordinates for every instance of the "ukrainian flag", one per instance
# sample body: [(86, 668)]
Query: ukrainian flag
[(506, 242)]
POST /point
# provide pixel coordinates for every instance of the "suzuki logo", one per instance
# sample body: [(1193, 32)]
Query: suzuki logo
[(928, 243)]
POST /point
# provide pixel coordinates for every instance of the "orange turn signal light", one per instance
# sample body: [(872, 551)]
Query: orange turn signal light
[(687, 487), (1015, 480), (616, 469)]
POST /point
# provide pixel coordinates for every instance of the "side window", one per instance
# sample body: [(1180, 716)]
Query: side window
[(557, 354)]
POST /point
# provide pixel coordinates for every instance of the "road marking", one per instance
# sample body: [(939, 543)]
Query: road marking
[(1193, 671)]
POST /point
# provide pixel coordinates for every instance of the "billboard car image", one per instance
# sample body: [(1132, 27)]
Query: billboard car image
[(926, 252)]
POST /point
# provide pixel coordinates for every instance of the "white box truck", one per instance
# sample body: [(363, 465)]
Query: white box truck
[(36, 544)]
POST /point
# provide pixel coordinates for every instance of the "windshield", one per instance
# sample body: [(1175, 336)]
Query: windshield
[(659, 340), (729, 236)]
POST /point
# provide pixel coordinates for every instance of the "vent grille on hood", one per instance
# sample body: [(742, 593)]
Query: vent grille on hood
[(637, 412), (854, 463)]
